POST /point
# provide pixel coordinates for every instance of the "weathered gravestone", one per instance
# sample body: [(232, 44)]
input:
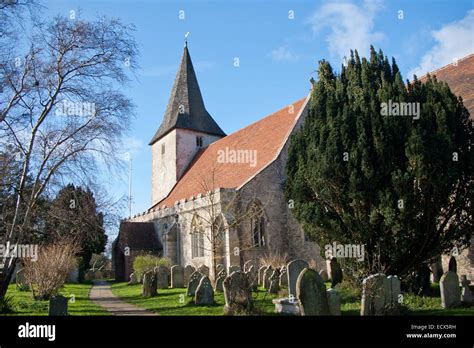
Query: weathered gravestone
[(336, 272), (253, 277), (373, 295), (177, 276), (452, 265), (266, 277), (324, 275), (204, 270), (21, 282), (274, 282), (220, 283), (133, 279), (204, 295), (161, 277), (193, 283), (392, 290), (149, 284), (220, 267), (58, 306), (334, 301), (250, 263), (283, 281), (293, 270), (234, 268), (466, 293), (188, 270), (311, 293), (450, 292), (261, 272), (237, 294)]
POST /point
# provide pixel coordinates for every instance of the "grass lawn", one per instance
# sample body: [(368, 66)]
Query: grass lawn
[(175, 301), (79, 303)]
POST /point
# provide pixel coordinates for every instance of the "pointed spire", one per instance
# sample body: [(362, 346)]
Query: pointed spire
[(185, 106)]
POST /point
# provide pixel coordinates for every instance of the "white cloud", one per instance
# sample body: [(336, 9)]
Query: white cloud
[(453, 41), (350, 26), (284, 54)]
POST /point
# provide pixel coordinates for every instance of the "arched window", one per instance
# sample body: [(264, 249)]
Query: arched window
[(197, 238), (257, 224)]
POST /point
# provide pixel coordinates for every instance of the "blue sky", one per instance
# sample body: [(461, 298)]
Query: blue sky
[(278, 44)]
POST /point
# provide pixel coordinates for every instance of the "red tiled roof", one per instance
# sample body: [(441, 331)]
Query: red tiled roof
[(205, 173), (460, 78)]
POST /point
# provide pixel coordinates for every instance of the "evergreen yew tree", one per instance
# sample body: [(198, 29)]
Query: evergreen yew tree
[(401, 186)]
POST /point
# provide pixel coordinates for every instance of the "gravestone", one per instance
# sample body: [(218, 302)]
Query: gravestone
[(287, 306), (336, 272), (250, 263), (311, 293), (203, 269), (177, 276), (392, 290), (252, 275), (274, 282), (283, 281), (261, 272), (188, 270), (133, 279), (204, 295), (58, 306), (234, 268), (220, 267), (193, 283), (452, 265), (149, 284), (450, 292), (334, 301), (324, 275), (161, 277), (21, 283), (237, 294), (266, 277), (293, 270), (466, 293), (219, 283), (373, 295)]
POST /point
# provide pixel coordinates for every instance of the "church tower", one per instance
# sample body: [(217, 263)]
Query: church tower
[(186, 128)]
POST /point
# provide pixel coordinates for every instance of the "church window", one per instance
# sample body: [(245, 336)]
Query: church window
[(257, 225), (198, 141), (197, 238), (162, 149)]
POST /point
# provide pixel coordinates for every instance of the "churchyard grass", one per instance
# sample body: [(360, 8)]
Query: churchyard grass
[(78, 295)]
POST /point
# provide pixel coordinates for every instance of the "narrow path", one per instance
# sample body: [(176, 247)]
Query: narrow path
[(102, 295)]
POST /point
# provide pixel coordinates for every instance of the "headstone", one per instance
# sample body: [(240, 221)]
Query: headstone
[(266, 277), (220, 283), (450, 292), (177, 276), (220, 267), (334, 301), (293, 270), (437, 271), (311, 293), (204, 270), (222, 273), (336, 272), (392, 290), (161, 277), (452, 265), (188, 270), (466, 293), (250, 263), (237, 294), (193, 283), (21, 282), (204, 295), (58, 306), (133, 279), (373, 295), (261, 272), (234, 268), (274, 282), (283, 281), (324, 275), (252, 274), (149, 284)]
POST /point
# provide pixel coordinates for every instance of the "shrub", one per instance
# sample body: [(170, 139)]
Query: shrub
[(274, 258), (144, 263), (50, 271), (6, 305)]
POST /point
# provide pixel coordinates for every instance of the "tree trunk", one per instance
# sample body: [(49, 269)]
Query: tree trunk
[(5, 278)]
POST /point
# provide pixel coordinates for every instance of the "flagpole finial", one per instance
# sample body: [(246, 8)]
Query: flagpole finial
[(186, 39)]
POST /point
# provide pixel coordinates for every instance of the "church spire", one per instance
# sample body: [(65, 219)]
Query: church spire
[(186, 108)]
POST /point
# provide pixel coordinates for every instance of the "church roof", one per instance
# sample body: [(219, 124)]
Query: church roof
[(207, 172), (185, 106)]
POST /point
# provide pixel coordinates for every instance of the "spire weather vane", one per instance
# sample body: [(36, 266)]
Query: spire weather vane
[(186, 39)]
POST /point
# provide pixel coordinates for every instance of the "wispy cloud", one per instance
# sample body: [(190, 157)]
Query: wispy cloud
[(453, 41), (350, 26), (284, 54)]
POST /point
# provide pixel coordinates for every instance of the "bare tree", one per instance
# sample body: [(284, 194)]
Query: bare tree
[(62, 109)]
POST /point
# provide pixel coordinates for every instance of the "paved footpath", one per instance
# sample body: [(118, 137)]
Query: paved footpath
[(102, 295)]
